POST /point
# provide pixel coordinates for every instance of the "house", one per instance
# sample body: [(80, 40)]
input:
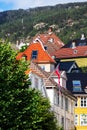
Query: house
[(74, 50), (50, 41), (44, 78), (77, 85)]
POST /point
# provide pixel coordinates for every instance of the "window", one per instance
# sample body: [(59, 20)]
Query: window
[(76, 104), (66, 104), (51, 40), (43, 67), (83, 119), (62, 121), (34, 54), (83, 101), (75, 51), (56, 99), (76, 120), (36, 82), (76, 86), (62, 101), (45, 47)]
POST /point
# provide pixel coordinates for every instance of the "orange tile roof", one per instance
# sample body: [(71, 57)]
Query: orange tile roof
[(42, 57), (79, 51)]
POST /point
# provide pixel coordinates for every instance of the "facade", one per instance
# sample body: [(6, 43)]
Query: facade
[(77, 84)]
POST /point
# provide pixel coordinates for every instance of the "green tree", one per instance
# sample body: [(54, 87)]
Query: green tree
[(21, 108)]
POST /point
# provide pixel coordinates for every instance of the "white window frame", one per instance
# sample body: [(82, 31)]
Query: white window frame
[(83, 119), (83, 100)]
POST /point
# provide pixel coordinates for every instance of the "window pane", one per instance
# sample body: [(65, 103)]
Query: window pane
[(83, 119), (34, 54), (76, 86), (83, 102)]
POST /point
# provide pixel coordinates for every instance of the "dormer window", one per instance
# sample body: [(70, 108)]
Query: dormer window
[(76, 86), (51, 40), (75, 51), (34, 54)]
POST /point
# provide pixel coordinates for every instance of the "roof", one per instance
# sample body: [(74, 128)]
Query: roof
[(78, 42), (64, 53), (48, 81), (51, 41), (82, 77), (42, 54), (66, 65)]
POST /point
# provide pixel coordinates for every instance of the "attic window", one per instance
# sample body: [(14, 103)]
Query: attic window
[(34, 54), (75, 51), (76, 86)]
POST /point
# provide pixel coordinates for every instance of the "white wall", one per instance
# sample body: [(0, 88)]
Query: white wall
[(47, 67)]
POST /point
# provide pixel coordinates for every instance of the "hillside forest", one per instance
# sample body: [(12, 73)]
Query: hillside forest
[(68, 21)]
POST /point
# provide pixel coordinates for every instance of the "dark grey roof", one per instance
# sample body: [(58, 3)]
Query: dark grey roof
[(78, 42), (66, 65), (82, 77)]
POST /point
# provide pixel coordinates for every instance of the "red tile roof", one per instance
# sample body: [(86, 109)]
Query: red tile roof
[(50, 40), (79, 51), (42, 56)]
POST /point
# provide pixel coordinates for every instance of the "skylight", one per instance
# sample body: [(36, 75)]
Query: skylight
[(76, 86)]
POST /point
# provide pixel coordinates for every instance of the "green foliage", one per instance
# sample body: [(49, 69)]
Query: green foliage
[(18, 24), (21, 108)]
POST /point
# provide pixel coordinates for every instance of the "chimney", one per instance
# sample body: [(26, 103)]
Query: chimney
[(73, 45), (82, 37)]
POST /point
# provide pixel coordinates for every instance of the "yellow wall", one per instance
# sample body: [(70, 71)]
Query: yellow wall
[(80, 110)]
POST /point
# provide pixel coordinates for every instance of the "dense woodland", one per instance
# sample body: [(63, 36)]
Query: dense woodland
[(69, 21)]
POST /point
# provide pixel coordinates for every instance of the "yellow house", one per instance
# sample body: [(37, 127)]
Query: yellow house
[(77, 84)]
